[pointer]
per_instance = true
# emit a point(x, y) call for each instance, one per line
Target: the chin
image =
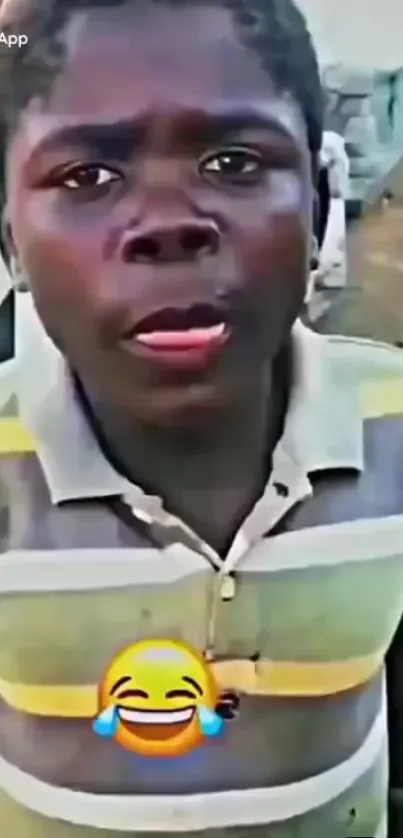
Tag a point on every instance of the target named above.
point(194, 406)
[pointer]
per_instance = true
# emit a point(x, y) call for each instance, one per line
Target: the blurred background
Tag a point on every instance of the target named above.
point(359, 289)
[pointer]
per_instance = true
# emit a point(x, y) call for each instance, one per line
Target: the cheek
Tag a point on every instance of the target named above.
point(274, 233)
point(62, 260)
point(274, 248)
point(275, 257)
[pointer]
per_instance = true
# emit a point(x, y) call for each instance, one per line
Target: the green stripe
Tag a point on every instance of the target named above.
point(314, 613)
point(69, 638)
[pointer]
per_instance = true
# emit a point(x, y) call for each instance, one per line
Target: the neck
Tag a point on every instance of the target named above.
point(209, 477)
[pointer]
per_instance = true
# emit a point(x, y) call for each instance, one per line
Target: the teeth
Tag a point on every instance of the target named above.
point(181, 337)
point(169, 717)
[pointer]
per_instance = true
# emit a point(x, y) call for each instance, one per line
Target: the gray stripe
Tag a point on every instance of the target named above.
point(337, 544)
point(270, 743)
point(7, 382)
point(189, 813)
point(334, 820)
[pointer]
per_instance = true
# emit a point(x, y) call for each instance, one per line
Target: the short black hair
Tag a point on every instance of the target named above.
point(275, 29)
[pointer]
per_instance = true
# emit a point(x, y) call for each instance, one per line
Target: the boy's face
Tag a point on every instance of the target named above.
point(162, 173)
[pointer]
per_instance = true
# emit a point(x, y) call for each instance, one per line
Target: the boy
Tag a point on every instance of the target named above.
point(204, 482)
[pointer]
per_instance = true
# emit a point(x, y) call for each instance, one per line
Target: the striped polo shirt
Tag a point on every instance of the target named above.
point(296, 619)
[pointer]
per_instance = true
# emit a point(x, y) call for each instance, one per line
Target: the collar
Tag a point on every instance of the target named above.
point(323, 427)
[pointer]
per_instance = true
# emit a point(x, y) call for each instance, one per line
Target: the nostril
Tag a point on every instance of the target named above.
point(143, 249)
point(194, 240)
point(174, 242)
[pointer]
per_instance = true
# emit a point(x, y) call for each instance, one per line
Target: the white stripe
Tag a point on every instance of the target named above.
point(350, 541)
point(187, 813)
point(47, 570)
point(80, 570)
point(382, 831)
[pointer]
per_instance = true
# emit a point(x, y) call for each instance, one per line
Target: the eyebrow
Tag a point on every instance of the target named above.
point(120, 140)
point(226, 125)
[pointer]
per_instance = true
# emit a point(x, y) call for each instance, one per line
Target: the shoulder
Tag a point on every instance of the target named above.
point(368, 377)
point(367, 358)
point(14, 438)
point(374, 369)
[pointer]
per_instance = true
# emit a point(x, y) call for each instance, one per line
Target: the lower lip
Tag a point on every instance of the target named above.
point(156, 725)
point(186, 350)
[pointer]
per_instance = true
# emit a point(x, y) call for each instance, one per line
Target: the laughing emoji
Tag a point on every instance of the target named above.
point(159, 698)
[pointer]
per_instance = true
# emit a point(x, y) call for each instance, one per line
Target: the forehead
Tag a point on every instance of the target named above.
point(126, 63)
point(162, 656)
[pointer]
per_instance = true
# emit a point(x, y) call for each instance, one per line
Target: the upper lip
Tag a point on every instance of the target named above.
point(176, 318)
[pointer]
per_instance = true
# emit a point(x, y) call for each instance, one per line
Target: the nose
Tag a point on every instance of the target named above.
point(180, 240)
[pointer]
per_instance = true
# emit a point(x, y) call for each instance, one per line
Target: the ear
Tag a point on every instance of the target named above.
point(313, 267)
point(322, 205)
point(314, 255)
point(7, 246)
point(10, 255)
point(6, 280)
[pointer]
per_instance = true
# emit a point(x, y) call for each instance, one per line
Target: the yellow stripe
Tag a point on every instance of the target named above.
point(383, 398)
point(264, 678)
point(14, 437)
point(285, 678)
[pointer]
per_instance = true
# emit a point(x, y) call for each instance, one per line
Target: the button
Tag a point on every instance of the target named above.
point(281, 489)
point(228, 588)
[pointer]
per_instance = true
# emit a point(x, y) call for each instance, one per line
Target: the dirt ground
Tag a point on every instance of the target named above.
point(372, 303)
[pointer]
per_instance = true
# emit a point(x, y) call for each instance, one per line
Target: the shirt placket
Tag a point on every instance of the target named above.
point(288, 485)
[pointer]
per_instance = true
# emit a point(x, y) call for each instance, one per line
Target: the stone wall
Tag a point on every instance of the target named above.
point(366, 108)
point(349, 111)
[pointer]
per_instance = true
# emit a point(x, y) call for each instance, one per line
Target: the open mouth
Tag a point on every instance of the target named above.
point(198, 327)
point(156, 724)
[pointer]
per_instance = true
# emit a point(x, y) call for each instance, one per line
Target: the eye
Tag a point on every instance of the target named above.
point(88, 177)
point(180, 694)
point(235, 165)
point(133, 694)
